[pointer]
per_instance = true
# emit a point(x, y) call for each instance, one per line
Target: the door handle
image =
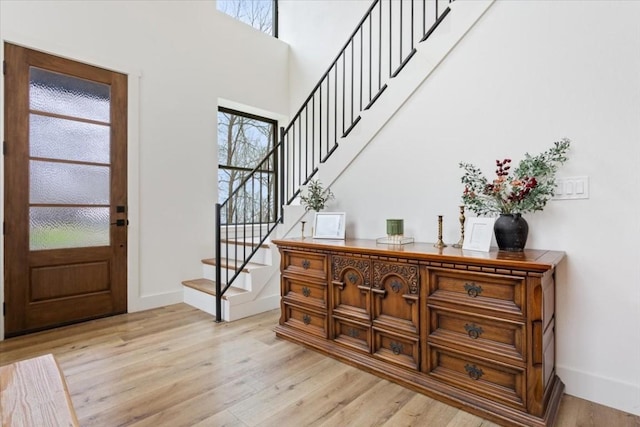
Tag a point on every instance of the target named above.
point(120, 222)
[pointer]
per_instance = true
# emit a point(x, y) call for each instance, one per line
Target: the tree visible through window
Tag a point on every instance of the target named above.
point(260, 14)
point(244, 140)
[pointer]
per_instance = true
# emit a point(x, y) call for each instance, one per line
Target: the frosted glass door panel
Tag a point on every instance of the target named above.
point(68, 183)
point(70, 96)
point(57, 228)
point(56, 138)
point(69, 166)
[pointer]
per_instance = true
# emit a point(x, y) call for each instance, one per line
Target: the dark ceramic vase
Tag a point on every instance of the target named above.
point(511, 232)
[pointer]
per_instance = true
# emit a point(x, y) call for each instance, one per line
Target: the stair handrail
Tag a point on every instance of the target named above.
point(321, 134)
point(271, 223)
point(283, 153)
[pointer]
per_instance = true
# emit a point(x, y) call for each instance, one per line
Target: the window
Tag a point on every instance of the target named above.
point(260, 14)
point(244, 140)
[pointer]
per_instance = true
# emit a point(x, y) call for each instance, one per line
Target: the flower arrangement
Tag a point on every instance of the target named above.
point(316, 196)
point(527, 188)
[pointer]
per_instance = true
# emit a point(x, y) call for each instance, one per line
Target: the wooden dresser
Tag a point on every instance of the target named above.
point(475, 330)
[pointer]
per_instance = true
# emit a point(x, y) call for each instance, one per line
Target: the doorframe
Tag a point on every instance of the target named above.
point(134, 297)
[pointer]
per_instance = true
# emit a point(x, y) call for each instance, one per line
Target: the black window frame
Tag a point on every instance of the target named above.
point(273, 208)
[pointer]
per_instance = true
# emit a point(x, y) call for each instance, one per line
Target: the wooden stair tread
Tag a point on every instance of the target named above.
point(245, 243)
point(226, 264)
point(209, 287)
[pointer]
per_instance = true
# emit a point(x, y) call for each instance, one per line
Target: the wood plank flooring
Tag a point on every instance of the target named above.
point(173, 366)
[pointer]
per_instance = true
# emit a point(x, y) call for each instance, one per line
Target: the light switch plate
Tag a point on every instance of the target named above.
point(572, 188)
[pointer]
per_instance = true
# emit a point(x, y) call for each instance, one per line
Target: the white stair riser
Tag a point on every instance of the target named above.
point(256, 306)
point(262, 284)
point(237, 306)
point(243, 281)
point(203, 301)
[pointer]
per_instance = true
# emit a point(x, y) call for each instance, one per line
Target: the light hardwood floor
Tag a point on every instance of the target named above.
point(174, 366)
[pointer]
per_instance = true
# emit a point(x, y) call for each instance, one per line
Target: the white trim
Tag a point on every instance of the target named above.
point(147, 302)
point(135, 301)
point(62, 51)
point(603, 390)
point(133, 193)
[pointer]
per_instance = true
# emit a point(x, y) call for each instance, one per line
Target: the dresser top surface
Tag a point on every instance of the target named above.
point(530, 259)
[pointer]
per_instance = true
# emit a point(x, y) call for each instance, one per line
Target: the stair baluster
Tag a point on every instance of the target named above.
point(331, 111)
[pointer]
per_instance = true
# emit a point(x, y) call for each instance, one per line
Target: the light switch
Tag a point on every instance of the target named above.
point(568, 188)
point(571, 188)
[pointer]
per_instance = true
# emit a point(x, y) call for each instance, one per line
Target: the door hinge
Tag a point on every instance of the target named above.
point(4, 308)
point(4, 68)
point(4, 148)
point(4, 228)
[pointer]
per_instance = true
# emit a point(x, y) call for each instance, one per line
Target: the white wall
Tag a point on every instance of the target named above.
point(182, 56)
point(528, 74)
point(315, 31)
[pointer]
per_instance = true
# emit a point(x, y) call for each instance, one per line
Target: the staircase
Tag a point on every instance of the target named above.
point(243, 279)
point(255, 289)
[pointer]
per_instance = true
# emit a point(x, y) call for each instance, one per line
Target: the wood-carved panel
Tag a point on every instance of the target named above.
point(408, 272)
point(395, 296)
point(351, 287)
point(340, 263)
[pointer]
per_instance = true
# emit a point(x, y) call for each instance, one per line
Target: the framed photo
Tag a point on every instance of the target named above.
point(478, 233)
point(329, 225)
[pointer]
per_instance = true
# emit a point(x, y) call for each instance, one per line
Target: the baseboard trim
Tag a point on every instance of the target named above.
point(251, 308)
point(147, 302)
point(605, 391)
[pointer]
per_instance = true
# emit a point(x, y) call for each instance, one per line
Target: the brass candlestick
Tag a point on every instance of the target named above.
point(303, 223)
point(440, 243)
point(461, 241)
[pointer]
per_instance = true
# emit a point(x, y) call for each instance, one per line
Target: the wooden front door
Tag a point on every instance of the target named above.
point(65, 242)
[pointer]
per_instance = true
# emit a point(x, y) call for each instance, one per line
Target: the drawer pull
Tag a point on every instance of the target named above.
point(473, 330)
point(306, 264)
point(472, 289)
point(396, 348)
point(353, 333)
point(474, 372)
point(306, 291)
point(396, 286)
point(306, 319)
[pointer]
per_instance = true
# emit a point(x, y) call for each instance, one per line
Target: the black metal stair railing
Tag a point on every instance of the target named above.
point(381, 45)
point(378, 49)
point(244, 221)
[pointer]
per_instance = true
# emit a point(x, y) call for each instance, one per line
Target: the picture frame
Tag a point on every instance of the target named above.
point(329, 225)
point(478, 232)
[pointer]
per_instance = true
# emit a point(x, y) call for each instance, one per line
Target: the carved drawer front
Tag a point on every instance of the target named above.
point(482, 290)
point(473, 333)
point(497, 382)
point(352, 334)
point(399, 349)
point(305, 263)
point(305, 292)
point(351, 282)
point(305, 320)
point(395, 296)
